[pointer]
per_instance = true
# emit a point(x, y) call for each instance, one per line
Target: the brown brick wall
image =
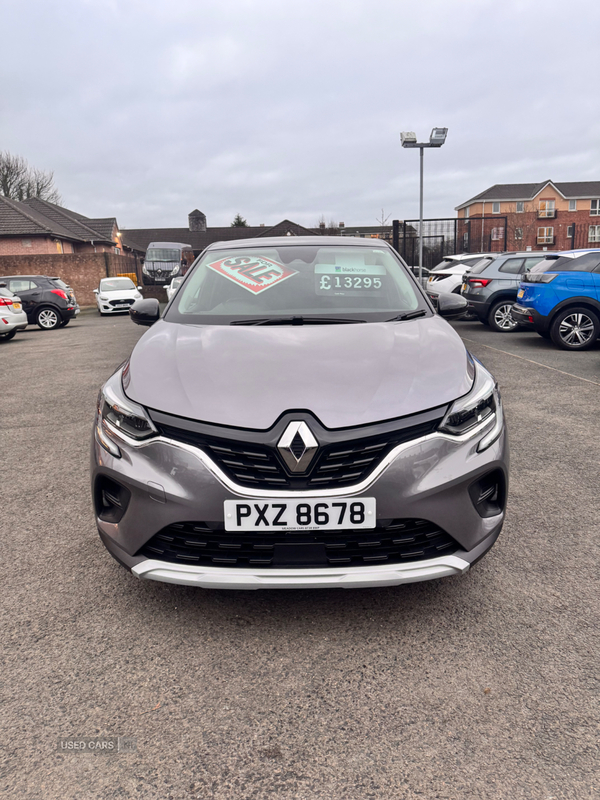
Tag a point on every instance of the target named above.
point(13, 245)
point(82, 271)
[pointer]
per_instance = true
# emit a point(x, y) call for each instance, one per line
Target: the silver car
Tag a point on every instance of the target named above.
point(300, 416)
point(12, 316)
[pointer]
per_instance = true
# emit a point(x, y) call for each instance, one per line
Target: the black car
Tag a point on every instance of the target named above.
point(48, 302)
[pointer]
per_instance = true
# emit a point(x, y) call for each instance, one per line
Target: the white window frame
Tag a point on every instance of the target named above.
point(547, 237)
point(467, 212)
point(520, 207)
point(495, 208)
point(569, 231)
point(519, 234)
point(497, 234)
point(572, 205)
point(594, 233)
point(547, 208)
point(594, 208)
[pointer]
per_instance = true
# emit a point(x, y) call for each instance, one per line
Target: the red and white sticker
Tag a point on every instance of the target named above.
point(255, 273)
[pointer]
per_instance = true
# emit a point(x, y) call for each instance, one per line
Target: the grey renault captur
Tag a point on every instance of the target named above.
point(299, 416)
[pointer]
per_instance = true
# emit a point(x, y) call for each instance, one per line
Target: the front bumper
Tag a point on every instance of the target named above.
point(105, 308)
point(170, 483)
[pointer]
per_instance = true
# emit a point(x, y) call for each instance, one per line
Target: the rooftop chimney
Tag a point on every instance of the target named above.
point(197, 220)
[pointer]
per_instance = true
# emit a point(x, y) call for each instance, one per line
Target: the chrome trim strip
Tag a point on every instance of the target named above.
point(323, 578)
point(246, 491)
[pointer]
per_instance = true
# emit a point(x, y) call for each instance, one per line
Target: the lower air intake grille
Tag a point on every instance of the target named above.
point(391, 542)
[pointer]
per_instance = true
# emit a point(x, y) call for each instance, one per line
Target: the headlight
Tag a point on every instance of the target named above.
point(145, 269)
point(481, 404)
point(102, 297)
point(121, 412)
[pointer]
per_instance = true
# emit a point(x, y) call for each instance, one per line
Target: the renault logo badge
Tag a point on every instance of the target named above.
point(297, 446)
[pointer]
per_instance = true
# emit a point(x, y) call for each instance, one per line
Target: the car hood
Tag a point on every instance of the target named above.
point(345, 375)
point(124, 294)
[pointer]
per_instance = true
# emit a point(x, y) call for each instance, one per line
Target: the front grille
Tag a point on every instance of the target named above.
point(120, 302)
point(393, 541)
point(336, 465)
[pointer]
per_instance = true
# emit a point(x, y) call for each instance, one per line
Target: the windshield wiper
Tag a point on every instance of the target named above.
point(408, 315)
point(296, 321)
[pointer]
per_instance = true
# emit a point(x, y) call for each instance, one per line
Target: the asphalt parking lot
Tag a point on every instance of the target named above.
point(483, 686)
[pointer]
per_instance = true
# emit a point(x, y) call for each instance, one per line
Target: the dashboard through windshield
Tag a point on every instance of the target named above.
point(296, 282)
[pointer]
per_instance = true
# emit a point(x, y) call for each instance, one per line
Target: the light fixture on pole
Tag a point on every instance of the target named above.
point(409, 139)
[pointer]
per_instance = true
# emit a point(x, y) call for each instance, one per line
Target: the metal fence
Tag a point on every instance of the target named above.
point(448, 236)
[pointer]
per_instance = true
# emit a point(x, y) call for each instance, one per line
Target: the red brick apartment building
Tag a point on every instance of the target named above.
point(537, 216)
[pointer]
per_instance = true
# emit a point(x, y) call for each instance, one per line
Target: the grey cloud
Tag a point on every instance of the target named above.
point(150, 109)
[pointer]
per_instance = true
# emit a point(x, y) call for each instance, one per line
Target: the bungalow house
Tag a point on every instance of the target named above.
point(37, 227)
point(199, 236)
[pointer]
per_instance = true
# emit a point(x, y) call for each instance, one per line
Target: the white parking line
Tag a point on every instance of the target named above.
point(530, 361)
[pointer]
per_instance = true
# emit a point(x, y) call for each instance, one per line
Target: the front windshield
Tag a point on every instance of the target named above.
point(296, 281)
point(162, 254)
point(116, 284)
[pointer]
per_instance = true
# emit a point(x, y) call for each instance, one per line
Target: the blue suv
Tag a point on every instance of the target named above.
point(562, 303)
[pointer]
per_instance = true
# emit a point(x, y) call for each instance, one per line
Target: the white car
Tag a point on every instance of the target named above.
point(12, 316)
point(116, 295)
point(447, 275)
point(173, 286)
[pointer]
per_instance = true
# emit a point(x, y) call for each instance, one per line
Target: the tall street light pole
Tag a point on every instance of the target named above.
point(409, 139)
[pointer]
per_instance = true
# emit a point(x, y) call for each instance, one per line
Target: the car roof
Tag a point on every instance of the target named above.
point(463, 256)
point(297, 241)
point(166, 245)
point(28, 277)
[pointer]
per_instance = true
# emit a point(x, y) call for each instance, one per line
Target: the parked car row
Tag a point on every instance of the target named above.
point(557, 294)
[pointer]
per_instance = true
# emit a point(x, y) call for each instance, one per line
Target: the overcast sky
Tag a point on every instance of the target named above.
point(147, 109)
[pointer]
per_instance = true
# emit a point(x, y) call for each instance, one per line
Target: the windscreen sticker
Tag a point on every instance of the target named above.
point(254, 273)
point(362, 269)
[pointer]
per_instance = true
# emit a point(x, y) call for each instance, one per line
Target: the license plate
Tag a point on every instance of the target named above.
point(17, 306)
point(122, 305)
point(317, 514)
point(520, 293)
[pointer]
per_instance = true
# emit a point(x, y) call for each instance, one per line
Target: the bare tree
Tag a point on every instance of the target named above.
point(20, 181)
point(331, 228)
point(521, 227)
point(382, 220)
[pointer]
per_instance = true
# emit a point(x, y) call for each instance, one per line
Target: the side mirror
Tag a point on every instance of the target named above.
point(145, 312)
point(450, 305)
point(139, 288)
point(95, 291)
